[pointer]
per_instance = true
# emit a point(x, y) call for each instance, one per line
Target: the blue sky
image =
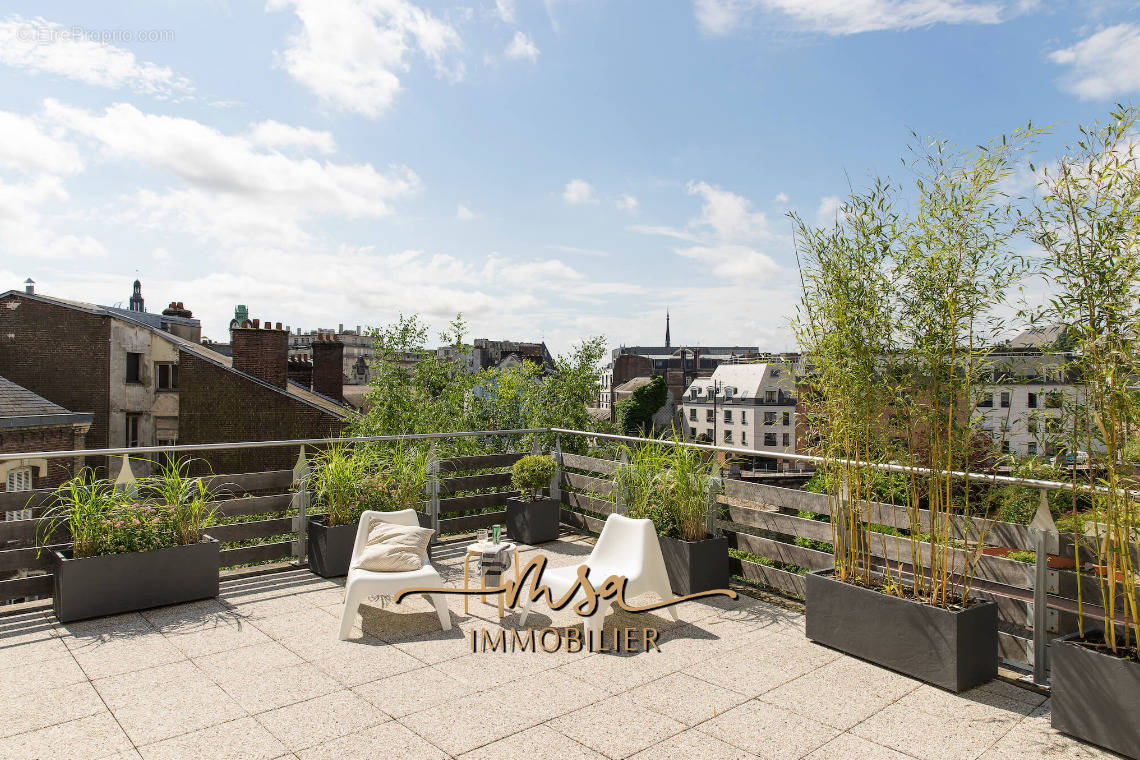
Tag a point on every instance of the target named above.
point(550, 169)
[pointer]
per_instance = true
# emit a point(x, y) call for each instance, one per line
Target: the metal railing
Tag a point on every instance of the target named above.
point(1045, 531)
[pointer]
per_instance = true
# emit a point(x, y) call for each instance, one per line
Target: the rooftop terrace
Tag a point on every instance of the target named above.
point(259, 673)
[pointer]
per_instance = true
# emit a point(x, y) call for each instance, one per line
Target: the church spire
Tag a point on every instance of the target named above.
point(667, 342)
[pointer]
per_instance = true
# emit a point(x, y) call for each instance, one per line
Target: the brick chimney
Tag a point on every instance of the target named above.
point(328, 366)
point(261, 351)
point(301, 371)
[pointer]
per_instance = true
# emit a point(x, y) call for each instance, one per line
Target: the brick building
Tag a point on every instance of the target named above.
point(29, 422)
point(146, 385)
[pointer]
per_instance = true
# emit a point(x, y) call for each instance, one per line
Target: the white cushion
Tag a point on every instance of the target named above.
point(392, 548)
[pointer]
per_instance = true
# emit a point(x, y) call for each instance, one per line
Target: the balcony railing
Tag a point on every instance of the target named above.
point(264, 519)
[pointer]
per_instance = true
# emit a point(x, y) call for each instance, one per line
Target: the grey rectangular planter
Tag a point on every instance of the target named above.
point(952, 649)
point(695, 566)
point(1096, 697)
point(533, 522)
point(330, 547)
point(113, 583)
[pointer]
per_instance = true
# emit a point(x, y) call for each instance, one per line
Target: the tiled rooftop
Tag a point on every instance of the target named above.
point(259, 673)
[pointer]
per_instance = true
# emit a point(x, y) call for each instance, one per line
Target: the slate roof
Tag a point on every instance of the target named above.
point(18, 401)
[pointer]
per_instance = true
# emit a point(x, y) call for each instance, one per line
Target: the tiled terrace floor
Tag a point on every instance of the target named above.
point(259, 673)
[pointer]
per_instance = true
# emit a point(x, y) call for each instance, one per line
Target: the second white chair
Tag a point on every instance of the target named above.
point(626, 547)
point(361, 584)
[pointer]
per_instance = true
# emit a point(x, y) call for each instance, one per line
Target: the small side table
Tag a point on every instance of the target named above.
point(474, 550)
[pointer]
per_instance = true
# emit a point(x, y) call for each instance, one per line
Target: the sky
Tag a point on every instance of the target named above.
point(551, 170)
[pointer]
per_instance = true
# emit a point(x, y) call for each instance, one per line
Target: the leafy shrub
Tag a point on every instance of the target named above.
point(670, 485)
point(347, 481)
point(635, 414)
point(531, 474)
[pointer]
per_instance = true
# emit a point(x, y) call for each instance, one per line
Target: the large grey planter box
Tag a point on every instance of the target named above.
point(113, 583)
point(1096, 697)
point(330, 547)
point(533, 522)
point(695, 566)
point(952, 649)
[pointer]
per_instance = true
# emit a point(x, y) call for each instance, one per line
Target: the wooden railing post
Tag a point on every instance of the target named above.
point(619, 495)
point(300, 502)
point(433, 490)
point(712, 513)
point(556, 479)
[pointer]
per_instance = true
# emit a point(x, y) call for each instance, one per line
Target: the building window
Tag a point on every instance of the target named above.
point(787, 418)
point(1005, 399)
point(728, 415)
point(693, 414)
point(167, 376)
point(743, 437)
point(134, 368)
point(728, 436)
point(769, 418)
point(1032, 401)
point(1031, 448)
point(19, 479)
point(744, 418)
point(769, 439)
point(1053, 400)
point(787, 440)
point(987, 401)
point(692, 432)
point(709, 415)
point(769, 397)
point(134, 423)
point(1031, 426)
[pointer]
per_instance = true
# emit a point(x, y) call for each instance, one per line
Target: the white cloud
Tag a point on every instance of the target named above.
point(521, 47)
point(234, 190)
point(725, 236)
point(838, 17)
point(26, 147)
point(506, 10)
point(43, 46)
point(351, 53)
point(827, 210)
point(26, 230)
point(274, 134)
point(578, 191)
point(1103, 65)
point(465, 214)
point(780, 198)
point(627, 202)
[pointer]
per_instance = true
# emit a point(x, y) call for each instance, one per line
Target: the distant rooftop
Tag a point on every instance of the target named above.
point(20, 407)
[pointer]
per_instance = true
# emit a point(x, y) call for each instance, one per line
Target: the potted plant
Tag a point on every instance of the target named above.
point(532, 518)
point(1087, 228)
point(131, 550)
point(899, 316)
point(346, 482)
point(674, 486)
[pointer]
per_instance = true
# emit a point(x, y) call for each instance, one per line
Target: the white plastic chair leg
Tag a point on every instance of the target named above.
point(596, 622)
point(526, 610)
point(352, 600)
point(441, 610)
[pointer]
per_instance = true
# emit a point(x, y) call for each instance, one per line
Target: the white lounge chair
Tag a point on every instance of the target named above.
point(626, 547)
point(362, 584)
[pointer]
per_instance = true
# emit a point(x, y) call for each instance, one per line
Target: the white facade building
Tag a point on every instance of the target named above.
point(750, 406)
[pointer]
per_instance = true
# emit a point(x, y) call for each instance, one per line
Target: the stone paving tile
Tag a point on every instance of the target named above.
point(92, 737)
point(435, 647)
point(618, 673)
point(692, 745)
point(1034, 739)
point(120, 644)
point(249, 660)
point(486, 670)
point(306, 724)
point(769, 732)
point(353, 663)
point(386, 740)
point(33, 710)
point(466, 723)
point(938, 725)
point(539, 741)
point(308, 622)
point(617, 727)
point(242, 739)
point(27, 637)
point(413, 691)
point(686, 699)
point(842, 693)
point(853, 747)
point(167, 701)
point(269, 689)
point(41, 675)
point(546, 695)
point(755, 670)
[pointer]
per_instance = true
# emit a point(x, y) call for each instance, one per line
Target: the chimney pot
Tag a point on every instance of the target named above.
point(257, 323)
point(278, 325)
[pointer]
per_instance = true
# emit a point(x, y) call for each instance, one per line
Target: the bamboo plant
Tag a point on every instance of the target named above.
point(670, 485)
point(898, 314)
point(1088, 223)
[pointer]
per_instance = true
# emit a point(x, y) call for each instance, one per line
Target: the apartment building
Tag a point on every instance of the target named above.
point(751, 406)
point(1023, 404)
point(357, 349)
